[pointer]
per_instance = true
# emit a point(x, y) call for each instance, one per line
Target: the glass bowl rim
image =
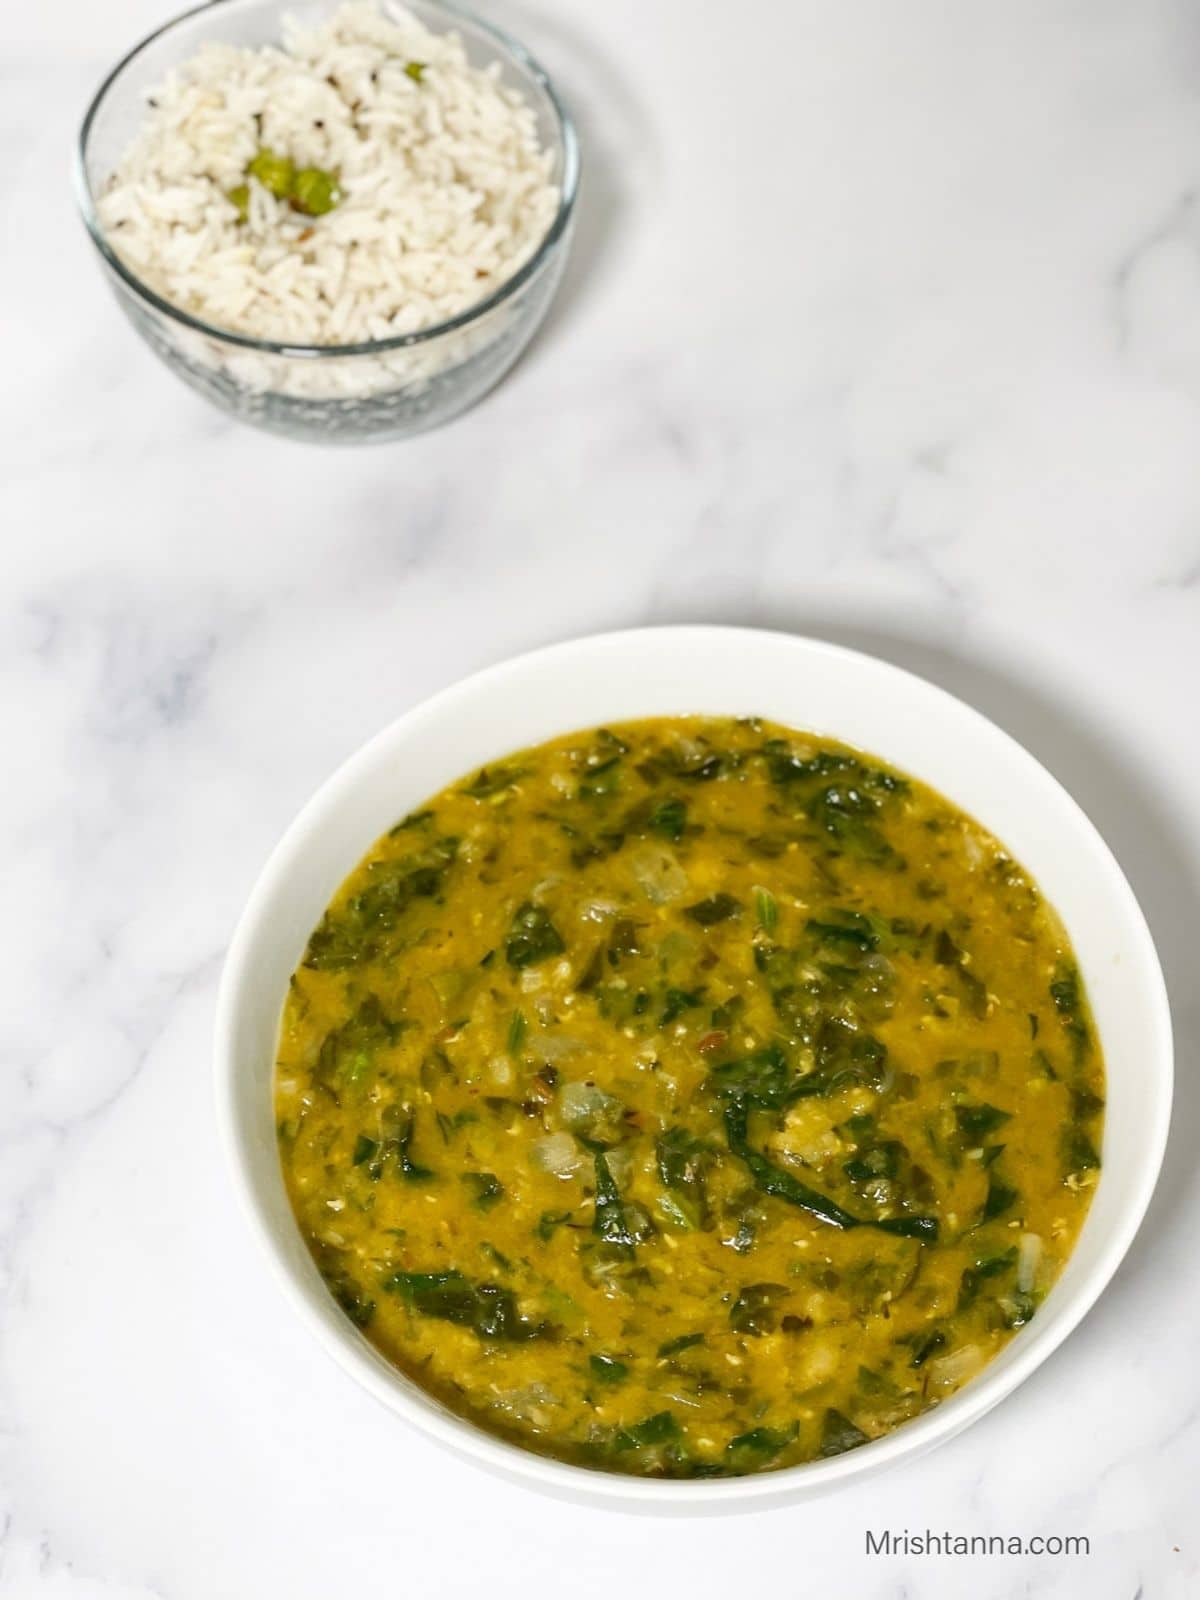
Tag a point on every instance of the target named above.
point(568, 191)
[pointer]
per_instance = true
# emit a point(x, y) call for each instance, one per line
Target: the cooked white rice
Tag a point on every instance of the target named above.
point(446, 190)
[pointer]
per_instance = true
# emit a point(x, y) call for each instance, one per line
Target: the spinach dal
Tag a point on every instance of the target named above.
point(689, 1097)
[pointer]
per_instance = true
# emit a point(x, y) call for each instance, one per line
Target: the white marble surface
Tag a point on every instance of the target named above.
point(884, 324)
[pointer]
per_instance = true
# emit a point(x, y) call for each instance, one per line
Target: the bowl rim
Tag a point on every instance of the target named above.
point(515, 1462)
point(454, 13)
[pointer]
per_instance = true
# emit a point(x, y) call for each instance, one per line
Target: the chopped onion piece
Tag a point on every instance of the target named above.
point(972, 847)
point(620, 1164)
point(1029, 1259)
point(658, 873)
point(591, 1113)
point(557, 1153)
point(558, 1046)
point(952, 1371)
point(598, 910)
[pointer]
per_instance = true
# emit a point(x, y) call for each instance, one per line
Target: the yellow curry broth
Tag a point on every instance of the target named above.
point(689, 1097)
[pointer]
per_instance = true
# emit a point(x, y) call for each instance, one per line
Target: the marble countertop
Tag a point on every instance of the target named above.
point(884, 325)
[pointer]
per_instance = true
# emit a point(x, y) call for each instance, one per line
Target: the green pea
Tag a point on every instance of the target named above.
point(315, 192)
point(275, 173)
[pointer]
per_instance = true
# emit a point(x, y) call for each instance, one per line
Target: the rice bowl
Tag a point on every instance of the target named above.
point(445, 188)
point(447, 171)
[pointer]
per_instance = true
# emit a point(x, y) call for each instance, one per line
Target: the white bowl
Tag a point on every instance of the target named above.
point(805, 684)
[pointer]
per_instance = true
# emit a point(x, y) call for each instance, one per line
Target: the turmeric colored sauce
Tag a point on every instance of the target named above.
point(690, 1097)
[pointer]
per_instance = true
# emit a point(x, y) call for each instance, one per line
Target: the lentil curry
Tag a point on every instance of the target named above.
point(689, 1097)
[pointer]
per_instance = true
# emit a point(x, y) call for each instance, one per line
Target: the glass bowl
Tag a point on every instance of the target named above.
point(386, 388)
